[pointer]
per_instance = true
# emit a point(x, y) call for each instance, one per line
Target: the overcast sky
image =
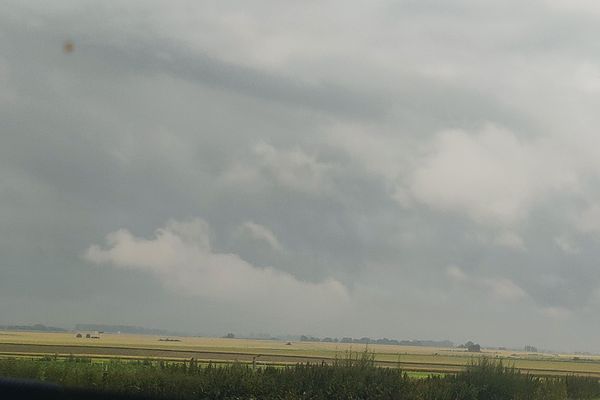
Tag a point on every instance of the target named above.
point(409, 169)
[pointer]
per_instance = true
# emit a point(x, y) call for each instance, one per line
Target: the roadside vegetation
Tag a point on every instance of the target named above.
point(354, 376)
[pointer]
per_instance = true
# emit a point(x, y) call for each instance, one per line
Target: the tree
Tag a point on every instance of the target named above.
point(473, 347)
point(305, 338)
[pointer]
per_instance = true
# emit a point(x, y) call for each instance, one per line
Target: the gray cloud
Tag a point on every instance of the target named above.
point(372, 145)
point(180, 255)
point(261, 233)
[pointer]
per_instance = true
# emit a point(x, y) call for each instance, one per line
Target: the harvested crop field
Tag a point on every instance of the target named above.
point(409, 358)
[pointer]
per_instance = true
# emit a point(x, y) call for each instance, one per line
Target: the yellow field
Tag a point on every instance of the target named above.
point(410, 358)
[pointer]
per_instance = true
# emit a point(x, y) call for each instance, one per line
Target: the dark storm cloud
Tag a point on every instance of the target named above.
point(206, 70)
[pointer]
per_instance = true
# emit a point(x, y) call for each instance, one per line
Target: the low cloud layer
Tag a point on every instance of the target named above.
point(181, 257)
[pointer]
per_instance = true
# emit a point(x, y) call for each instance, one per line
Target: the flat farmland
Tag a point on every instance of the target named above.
point(409, 358)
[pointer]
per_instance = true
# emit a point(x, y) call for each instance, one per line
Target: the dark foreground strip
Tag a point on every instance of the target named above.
point(22, 389)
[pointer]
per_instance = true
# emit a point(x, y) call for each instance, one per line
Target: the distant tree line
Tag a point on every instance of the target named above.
point(471, 347)
point(367, 340)
point(35, 327)
point(135, 330)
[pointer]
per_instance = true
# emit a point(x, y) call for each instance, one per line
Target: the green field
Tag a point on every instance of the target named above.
point(259, 352)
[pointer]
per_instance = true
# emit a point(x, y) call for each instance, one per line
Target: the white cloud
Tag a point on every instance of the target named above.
point(261, 232)
point(456, 274)
point(510, 240)
point(587, 78)
point(588, 220)
point(585, 7)
point(491, 175)
point(566, 245)
point(181, 256)
point(505, 289)
point(559, 313)
point(499, 288)
point(507, 239)
point(240, 174)
point(292, 169)
point(486, 175)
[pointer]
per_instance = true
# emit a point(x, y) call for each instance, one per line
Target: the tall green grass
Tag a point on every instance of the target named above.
point(353, 376)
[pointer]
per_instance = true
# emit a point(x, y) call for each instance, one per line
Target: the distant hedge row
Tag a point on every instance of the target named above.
point(353, 377)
